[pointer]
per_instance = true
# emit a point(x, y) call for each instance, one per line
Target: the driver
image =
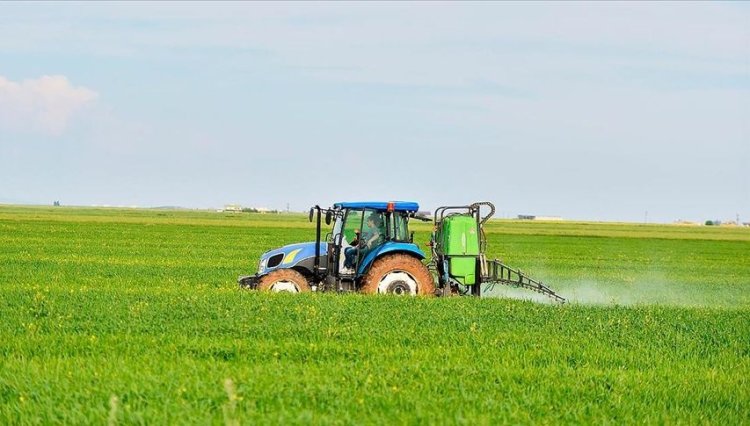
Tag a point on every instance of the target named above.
point(350, 252)
point(366, 242)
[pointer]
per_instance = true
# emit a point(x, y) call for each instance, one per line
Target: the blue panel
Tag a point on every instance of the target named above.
point(389, 247)
point(408, 206)
point(306, 251)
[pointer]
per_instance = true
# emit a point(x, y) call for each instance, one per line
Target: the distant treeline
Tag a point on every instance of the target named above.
point(252, 210)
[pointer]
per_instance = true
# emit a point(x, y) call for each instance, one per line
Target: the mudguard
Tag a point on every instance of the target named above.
point(389, 247)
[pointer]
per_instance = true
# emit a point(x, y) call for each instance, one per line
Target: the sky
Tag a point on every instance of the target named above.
point(595, 111)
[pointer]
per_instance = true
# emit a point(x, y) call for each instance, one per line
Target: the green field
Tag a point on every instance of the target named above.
point(134, 317)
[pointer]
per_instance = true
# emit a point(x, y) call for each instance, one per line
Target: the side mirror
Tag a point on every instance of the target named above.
point(329, 216)
point(312, 212)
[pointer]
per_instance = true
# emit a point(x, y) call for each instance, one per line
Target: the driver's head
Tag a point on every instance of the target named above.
point(374, 220)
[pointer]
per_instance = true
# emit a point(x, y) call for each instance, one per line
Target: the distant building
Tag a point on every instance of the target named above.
point(686, 223)
point(534, 217)
point(232, 208)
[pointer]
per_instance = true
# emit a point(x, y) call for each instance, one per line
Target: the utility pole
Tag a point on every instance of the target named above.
point(287, 207)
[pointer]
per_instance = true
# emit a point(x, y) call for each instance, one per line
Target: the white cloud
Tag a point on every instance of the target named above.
point(46, 104)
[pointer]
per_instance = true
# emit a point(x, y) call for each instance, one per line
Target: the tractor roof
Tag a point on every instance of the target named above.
point(408, 206)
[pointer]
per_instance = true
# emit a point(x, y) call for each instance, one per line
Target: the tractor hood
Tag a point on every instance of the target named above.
point(289, 256)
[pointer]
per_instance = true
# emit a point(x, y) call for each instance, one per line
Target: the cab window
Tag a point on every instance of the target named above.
point(352, 223)
point(399, 230)
point(373, 232)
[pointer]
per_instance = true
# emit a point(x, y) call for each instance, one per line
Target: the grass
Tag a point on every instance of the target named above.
point(133, 316)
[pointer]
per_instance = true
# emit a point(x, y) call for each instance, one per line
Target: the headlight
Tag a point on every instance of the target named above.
point(262, 265)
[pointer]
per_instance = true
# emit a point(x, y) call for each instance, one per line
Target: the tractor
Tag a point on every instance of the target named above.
point(371, 250)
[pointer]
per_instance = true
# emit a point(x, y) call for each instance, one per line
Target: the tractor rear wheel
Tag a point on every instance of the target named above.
point(398, 274)
point(284, 280)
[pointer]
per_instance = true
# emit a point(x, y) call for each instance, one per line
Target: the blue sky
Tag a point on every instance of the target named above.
point(598, 111)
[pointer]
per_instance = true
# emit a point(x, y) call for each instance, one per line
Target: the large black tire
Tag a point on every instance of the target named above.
point(286, 280)
point(398, 274)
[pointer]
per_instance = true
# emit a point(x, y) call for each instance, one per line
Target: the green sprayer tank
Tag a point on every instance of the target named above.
point(460, 244)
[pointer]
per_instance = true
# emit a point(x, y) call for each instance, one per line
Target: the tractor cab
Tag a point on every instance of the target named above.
point(363, 231)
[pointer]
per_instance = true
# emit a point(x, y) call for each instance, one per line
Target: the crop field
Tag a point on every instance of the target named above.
point(127, 316)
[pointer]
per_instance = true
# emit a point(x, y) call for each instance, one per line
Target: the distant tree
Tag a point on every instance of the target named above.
point(709, 223)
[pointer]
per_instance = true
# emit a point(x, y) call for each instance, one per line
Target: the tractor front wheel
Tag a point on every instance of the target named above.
point(399, 274)
point(284, 280)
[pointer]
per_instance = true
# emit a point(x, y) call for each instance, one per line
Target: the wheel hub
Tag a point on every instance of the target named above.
point(398, 287)
point(284, 287)
point(399, 283)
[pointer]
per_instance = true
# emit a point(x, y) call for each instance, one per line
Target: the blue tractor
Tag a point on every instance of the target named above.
point(369, 249)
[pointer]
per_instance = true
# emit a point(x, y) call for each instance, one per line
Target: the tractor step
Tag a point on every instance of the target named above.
point(495, 272)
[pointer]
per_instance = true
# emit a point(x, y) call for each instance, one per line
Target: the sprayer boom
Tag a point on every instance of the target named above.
point(495, 272)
